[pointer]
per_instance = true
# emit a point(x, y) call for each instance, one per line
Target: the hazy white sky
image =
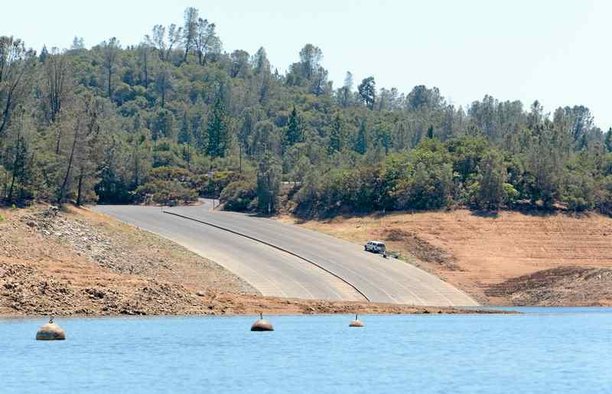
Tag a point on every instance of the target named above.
point(558, 52)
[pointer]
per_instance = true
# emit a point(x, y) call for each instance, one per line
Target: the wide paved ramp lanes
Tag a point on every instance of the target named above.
point(270, 271)
point(381, 280)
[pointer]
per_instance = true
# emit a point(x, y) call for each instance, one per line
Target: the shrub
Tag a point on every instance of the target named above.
point(166, 192)
point(216, 182)
point(169, 185)
point(578, 191)
point(239, 196)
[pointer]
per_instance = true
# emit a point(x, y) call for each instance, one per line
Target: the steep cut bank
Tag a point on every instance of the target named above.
point(506, 259)
point(79, 262)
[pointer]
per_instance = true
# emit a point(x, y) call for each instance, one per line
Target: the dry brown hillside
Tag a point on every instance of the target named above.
point(509, 258)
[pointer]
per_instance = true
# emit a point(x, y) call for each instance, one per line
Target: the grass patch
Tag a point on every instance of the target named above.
point(1, 218)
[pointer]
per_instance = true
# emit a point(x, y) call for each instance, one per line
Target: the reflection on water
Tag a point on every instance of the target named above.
point(544, 350)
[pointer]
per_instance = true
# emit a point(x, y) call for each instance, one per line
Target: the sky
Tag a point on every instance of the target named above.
point(557, 52)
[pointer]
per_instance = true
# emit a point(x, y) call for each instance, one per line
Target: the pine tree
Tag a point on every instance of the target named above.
point(294, 129)
point(217, 130)
point(361, 145)
point(44, 54)
point(367, 91)
point(335, 137)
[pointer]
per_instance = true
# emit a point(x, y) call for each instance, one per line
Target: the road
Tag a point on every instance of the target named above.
point(289, 261)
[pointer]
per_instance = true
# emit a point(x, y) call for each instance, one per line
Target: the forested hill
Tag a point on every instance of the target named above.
point(175, 117)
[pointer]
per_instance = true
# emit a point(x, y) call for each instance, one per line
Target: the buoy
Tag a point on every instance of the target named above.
point(50, 332)
point(262, 325)
point(356, 322)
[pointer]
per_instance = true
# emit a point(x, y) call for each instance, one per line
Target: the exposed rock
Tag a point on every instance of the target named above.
point(558, 286)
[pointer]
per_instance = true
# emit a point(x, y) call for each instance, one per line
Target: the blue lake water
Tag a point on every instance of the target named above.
point(543, 350)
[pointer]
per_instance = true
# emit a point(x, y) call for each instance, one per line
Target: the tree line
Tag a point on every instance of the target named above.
point(175, 117)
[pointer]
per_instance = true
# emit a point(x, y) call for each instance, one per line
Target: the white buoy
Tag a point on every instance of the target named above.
point(262, 325)
point(356, 322)
point(50, 332)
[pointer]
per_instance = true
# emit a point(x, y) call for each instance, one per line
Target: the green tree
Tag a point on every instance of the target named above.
point(310, 59)
point(185, 135)
point(423, 98)
point(111, 188)
point(239, 64)
point(578, 190)
point(361, 143)
point(218, 137)
point(238, 196)
point(17, 162)
point(163, 125)
point(367, 92)
point(467, 152)
point(268, 183)
point(163, 84)
point(491, 192)
point(294, 129)
point(335, 136)
point(427, 181)
point(544, 164)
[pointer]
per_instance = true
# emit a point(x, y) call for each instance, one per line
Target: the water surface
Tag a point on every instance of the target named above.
point(544, 350)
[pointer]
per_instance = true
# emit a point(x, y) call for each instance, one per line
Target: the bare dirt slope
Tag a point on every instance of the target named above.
point(78, 262)
point(83, 263)
point(509, 258)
